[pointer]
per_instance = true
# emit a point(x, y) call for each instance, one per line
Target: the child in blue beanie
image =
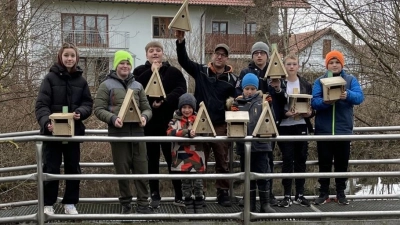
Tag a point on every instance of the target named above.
point(251, 100)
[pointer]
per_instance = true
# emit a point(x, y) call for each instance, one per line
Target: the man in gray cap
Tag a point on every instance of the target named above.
point(215, 83)
point(260, 56)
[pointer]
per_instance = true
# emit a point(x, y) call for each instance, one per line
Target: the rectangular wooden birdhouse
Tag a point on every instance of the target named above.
point(332, 87)
point(63, 124)
point(300, 103)
point(237, 123)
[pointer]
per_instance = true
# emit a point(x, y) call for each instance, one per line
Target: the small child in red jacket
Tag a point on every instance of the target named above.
point(187, 157)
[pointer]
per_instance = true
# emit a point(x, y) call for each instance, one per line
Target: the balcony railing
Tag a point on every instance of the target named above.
point(97, 39)
point(238, 43)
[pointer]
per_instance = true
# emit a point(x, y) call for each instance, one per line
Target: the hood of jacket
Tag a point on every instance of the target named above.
point(62, 71)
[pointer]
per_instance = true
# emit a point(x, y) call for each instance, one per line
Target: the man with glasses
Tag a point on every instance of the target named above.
point(260, 56)
point(215, 83)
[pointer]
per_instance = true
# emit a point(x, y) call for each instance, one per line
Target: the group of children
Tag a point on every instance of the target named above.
point(65, 86)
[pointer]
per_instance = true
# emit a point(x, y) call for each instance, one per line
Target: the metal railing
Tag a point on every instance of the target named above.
point(97, 39)
point(246, 215)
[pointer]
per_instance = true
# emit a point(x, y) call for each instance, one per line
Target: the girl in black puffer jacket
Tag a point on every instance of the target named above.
point(63, 86)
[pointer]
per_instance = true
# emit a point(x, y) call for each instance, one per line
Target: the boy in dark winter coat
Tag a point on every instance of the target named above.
point(188, 157)
point(274, 88)
point(251, 100)
point(294, 153)
point(215, 83)
point(174, 84)
point(63, 86)
point(127, 156)
point(335, 117)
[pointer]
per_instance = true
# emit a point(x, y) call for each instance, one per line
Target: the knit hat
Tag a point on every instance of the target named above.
point(334, 55)
point(223, 46)
point(260, 46)
point(121, 56)
point(187, 99)
point(250, 79)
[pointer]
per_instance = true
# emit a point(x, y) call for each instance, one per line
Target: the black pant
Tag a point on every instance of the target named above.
point(258, 164)
point(294, 157)
point(153, 153)
point(339, 151)
point(52, 158)
point(270, 158)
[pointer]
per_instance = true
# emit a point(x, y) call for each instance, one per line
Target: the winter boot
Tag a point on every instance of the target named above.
point(189, 204)
point(198, 205)
point(253, 195)
point(265, 206)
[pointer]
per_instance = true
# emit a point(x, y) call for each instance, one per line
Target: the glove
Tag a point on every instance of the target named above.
point(234, 107)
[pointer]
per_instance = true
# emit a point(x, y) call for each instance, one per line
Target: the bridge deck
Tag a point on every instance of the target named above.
point(168, 208)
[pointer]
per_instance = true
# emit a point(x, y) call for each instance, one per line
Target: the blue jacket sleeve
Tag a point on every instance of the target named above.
point(317, 101)
point(355, 95)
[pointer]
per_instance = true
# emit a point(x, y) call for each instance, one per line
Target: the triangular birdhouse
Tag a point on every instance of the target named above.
point(129, 111)
point(237, 123)
point(300, 103)
point(202, 124)
point(154, 87)
point(275, 68)
point(181, 20)
point(266, 124)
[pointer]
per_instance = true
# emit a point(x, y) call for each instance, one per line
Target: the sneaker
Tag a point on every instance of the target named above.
point(49, 210)
point(286, 202)
point(155, 201)
point(322, 199)
point(272, 200)
point(179, 202)
point(70, 209)
point(223, 198)
point(126, 209)
point(143, 209)
point(300, 200)
point(341, 199)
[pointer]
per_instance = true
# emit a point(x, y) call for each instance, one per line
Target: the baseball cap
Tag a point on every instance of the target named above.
point(223, 46)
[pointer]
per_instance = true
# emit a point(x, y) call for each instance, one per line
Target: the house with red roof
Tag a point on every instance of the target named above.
point(312, 47)
point(101, 27)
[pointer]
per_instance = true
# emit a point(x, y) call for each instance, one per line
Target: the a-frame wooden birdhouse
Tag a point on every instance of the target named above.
point(275, 69)
point(266, 124)
point(237, 123)
point(332, 87)
point(203, 124)
point(63, 124)
point(181, 20)
point(300, 103)
point(154, 87)
point(129, 111)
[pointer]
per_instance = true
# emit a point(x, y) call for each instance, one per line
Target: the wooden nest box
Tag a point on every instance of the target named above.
point(266, 124)
point(202, 124)
point(300, 103)
point(237, 123)
point(332, 87)
point(129, 111)
point(276, 69)
point(154, 87)
point(181, 20)
point(63, 124)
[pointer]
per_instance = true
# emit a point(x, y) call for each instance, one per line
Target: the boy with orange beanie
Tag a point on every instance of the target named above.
point(334, 118)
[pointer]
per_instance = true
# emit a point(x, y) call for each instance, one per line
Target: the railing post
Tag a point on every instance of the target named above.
point(40, 213)
point(231, 170)
point(246, 210)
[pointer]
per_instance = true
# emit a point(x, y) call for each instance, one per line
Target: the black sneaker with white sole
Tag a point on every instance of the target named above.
point(286, 202)
point(300, 200)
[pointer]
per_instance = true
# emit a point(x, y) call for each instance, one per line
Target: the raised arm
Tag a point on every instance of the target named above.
point(183, 58)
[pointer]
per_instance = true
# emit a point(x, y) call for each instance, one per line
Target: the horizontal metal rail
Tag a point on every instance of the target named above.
point(104, 131)
point(353, 137)
point(235, 163)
